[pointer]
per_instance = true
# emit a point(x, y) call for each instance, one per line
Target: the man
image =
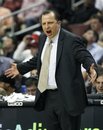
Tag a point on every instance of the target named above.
point(98, 84)
point(65, 97)
point(92, 46)
point(7, 84)
point(96, 23)
point(31, 85)
point(30, 17)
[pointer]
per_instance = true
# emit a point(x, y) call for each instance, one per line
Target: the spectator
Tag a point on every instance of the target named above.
point(97, 86)
point(23, 53)
point(3, 92)
point(27, 49)
point(96, 23)
point(12, 5)
point(96, 51)
point(9, 46)
point(84, 12)
point(7, 84)
point(5, 23)
point(92, 46)
point(99, 81)
point(31, 85)
point(31, 16)
point(63, 7)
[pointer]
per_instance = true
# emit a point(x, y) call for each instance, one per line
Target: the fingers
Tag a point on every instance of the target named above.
point(93, 73)
point(92, 67)
point(9, 73)
point(93, 79)
point(13, 76)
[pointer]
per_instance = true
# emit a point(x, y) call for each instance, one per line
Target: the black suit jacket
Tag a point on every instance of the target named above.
point(71, 52)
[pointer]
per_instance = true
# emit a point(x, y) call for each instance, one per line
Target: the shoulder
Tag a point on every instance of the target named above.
point(68, 34)
point(73, 38)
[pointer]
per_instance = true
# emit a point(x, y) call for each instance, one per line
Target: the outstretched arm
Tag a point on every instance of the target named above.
point(21, 68)
point(84, 57)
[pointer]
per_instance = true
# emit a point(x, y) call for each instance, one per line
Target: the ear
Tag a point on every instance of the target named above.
point(59, 22)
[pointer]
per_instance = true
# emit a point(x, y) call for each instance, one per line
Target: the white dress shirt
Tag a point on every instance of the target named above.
point(52, 67)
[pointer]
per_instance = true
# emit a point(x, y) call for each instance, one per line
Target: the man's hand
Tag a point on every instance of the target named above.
point(93, 73)
point(12, 72)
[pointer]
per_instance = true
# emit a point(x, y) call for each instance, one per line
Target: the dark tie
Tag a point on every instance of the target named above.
point(43, 78)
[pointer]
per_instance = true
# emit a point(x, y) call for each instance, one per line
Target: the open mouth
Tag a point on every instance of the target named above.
point(48, 32)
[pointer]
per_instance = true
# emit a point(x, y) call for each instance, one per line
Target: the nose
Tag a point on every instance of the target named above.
point(46, 25)
point(101, 85)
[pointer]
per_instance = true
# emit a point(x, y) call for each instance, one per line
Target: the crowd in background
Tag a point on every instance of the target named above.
point(85, 20)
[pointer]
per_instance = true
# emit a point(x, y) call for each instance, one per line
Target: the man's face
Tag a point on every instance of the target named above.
point(31, 90)
point(89, 35)
point(99, 84)
point(8, 45)
point(50, 25)
point(95, 25)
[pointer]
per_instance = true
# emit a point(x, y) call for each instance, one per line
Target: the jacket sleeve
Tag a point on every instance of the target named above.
point(82, 54)
point(27, 66)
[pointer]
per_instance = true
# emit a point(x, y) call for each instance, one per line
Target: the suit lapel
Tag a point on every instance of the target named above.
point(60, 46)
point(42, 42)
point(41, 46)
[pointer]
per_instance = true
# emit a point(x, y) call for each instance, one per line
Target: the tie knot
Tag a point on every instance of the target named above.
point(50, 41)
point(50, 44)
